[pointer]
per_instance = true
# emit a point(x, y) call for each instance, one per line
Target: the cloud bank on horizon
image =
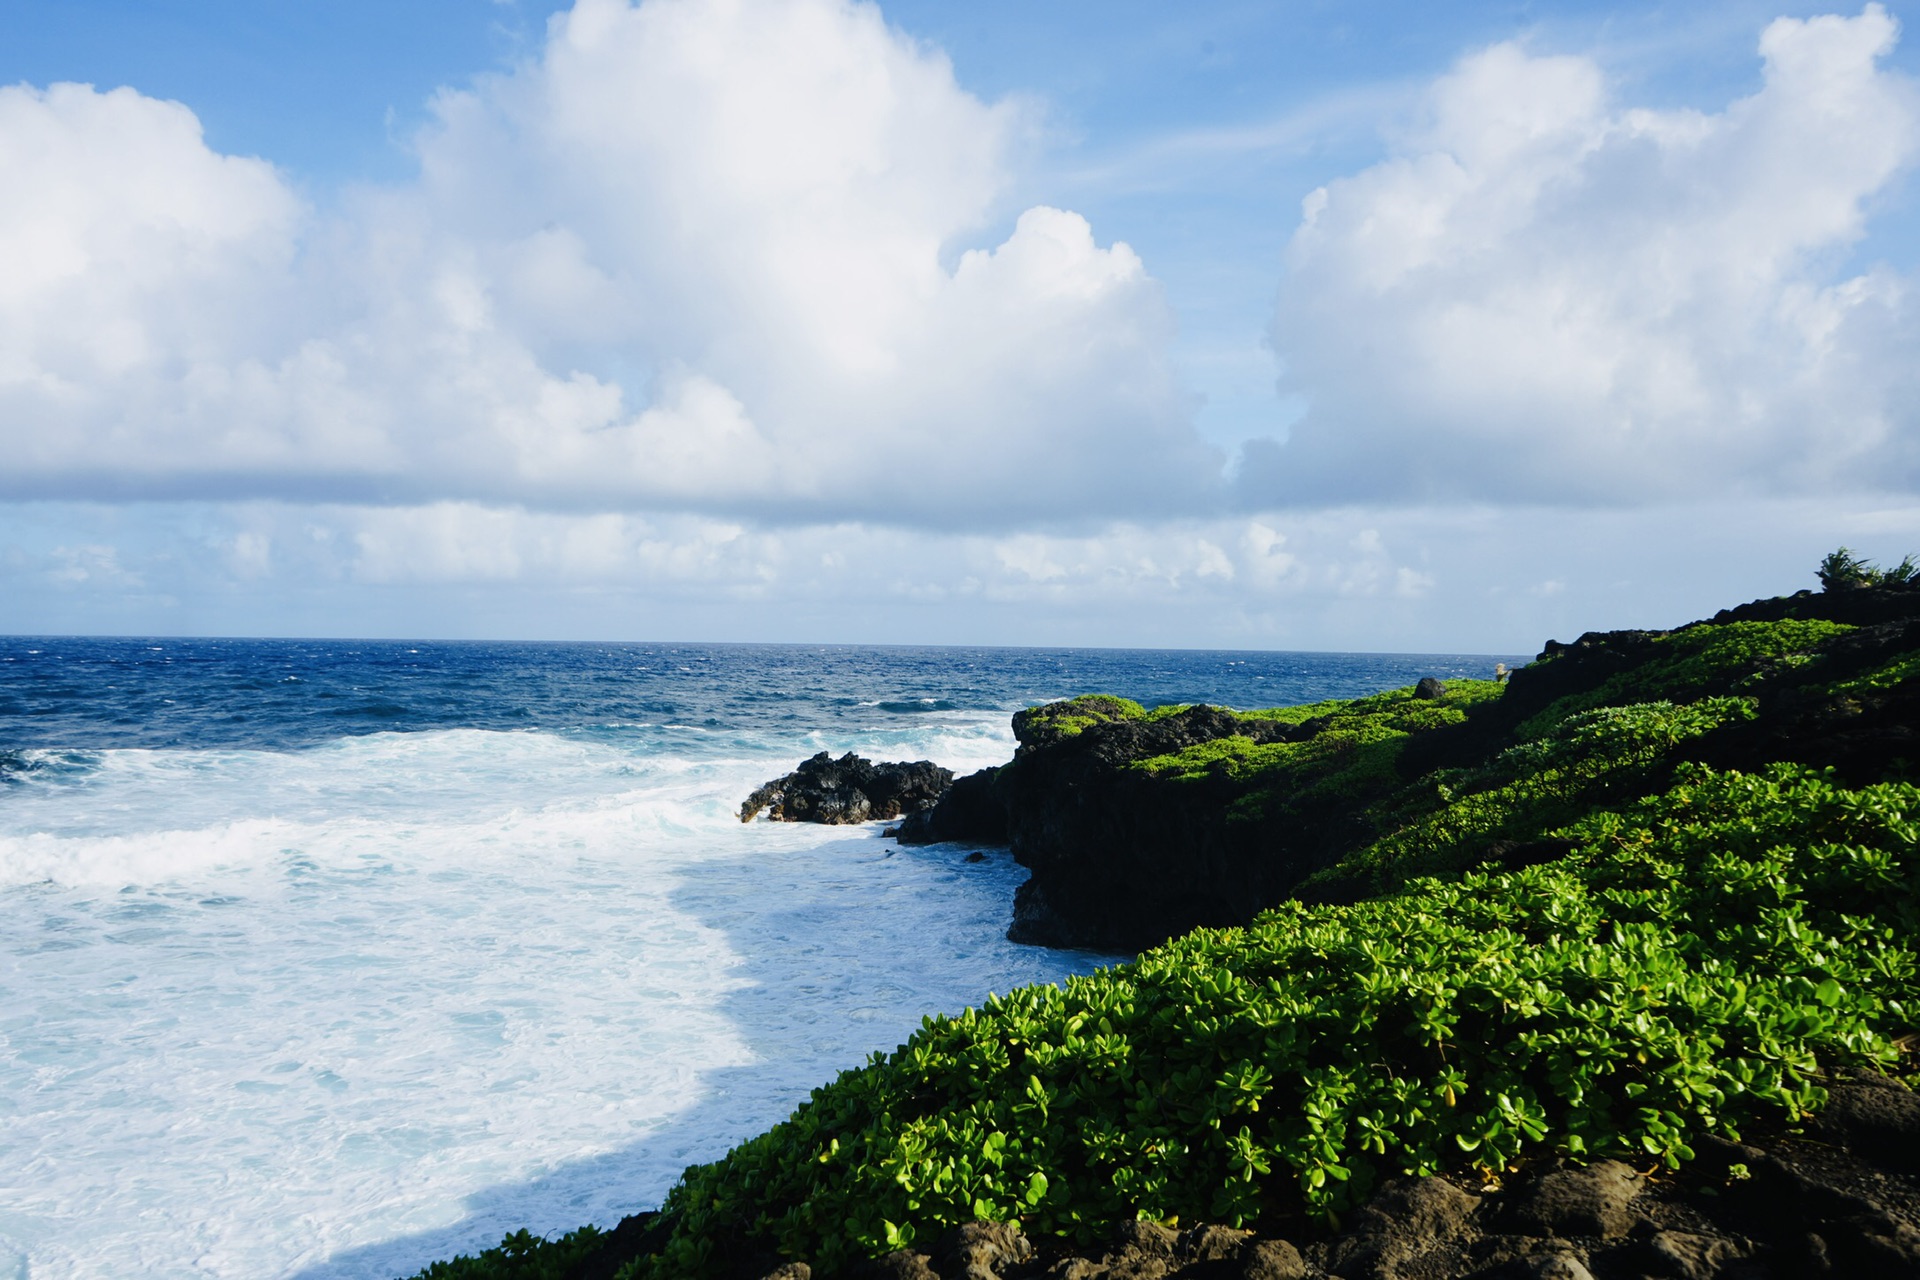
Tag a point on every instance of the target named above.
point(711, 288)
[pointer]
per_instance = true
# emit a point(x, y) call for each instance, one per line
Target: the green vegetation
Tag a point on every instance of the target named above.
point(1529, 789)
point(1844, 571)
point(1701, 659)
point(1572, 939)
point(1348, 754)
point(1686, 970)
point(1059, 720)
point(1342, 728)
point(522, 1256)
point(1890, 675)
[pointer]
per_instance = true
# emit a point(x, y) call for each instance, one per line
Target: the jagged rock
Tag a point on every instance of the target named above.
point(902, 1264)
point(1122, 860)
point(1209, 1243)
point(1874, 1117)
point(1272, 1260)
point(1557, 1266)
point(790, 1271)
point(850, 789)
point(1688, 1256)
point(1417, 1209)
point(1430, 689)
point(1037, 923)
point(1075, 1269)
point(980, 1251)
point(1141, 1251)
point(1407, 1218)
point(1574, 1201)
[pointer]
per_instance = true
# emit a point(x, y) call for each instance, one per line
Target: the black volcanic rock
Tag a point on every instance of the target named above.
point(972, 809)
point(850, 789)
point(1120, 859)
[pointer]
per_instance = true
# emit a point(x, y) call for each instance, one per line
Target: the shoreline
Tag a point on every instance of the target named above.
point(1509, 780)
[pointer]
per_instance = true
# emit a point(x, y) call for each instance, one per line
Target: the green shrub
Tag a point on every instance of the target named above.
point(521, 1256)
point(1698, 661)
point(1843, 571)
point(1889, 675)
point(1687, 970)
point(1352, 756)
point(1450, 819)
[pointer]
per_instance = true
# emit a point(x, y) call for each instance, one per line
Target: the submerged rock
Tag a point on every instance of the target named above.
point(850, 789)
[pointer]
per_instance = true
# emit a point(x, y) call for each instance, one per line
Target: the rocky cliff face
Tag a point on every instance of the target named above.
point(1121, 859)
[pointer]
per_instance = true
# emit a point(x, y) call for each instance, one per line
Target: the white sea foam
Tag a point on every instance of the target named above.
point(341, 1011)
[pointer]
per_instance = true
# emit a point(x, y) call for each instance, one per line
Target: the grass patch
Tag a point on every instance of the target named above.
point(1073, 716)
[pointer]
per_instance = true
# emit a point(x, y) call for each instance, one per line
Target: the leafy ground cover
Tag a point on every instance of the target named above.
point(1698, 660)
point(1447, 822)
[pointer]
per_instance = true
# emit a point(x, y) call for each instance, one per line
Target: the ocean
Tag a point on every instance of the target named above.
point(326, 959)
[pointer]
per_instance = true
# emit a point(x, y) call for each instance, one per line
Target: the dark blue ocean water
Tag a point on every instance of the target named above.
point(76, 692)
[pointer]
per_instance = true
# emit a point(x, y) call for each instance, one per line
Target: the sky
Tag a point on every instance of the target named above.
point(1223, 325)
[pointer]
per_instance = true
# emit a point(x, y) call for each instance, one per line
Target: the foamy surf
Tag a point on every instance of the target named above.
point(392, 996)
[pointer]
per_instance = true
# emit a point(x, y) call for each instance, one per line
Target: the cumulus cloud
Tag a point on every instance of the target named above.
point(709, 255)
point(1547, 295)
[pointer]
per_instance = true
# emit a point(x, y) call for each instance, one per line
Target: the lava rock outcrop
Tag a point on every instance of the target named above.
point(848, 790)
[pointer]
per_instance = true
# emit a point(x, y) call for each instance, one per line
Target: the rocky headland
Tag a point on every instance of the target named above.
point(1606, 971)
point(1139, 826)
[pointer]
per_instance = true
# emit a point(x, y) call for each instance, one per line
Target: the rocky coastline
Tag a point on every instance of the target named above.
point(1586, 782)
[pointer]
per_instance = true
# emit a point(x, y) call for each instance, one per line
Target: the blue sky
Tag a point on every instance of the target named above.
point(787, 319)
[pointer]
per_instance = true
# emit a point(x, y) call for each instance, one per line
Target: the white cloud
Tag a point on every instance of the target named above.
point(1545, 295)
point(698, 254)
point(709, 320)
